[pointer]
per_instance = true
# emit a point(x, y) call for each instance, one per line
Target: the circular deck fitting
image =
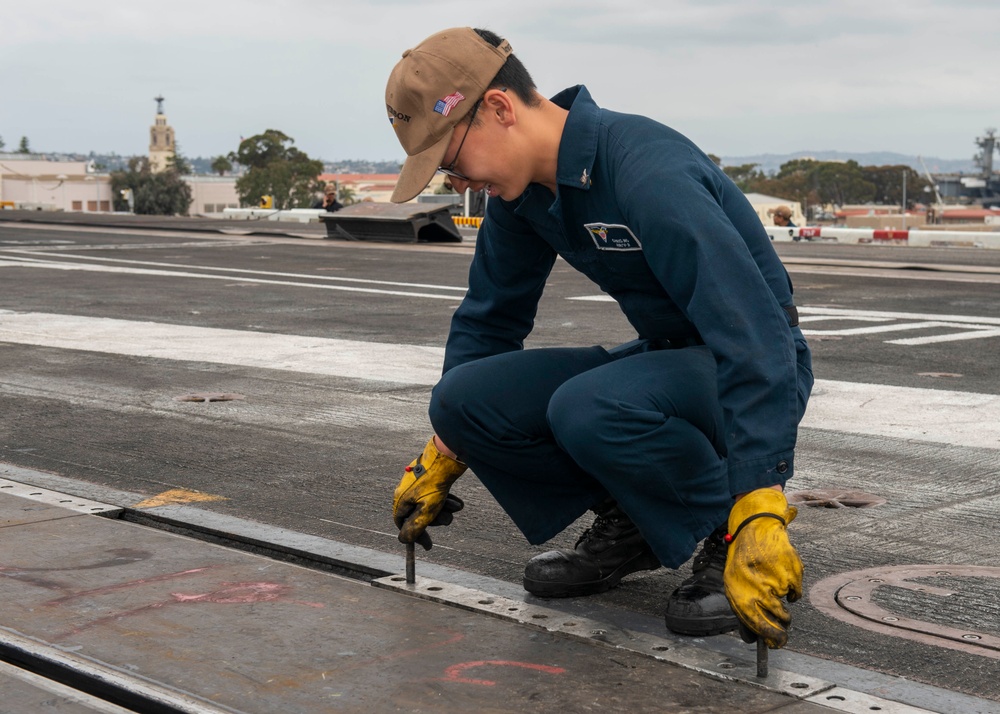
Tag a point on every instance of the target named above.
point(918, 594)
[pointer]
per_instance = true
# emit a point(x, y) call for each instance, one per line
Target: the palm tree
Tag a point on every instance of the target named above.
point(221, 165)
point(347, 195)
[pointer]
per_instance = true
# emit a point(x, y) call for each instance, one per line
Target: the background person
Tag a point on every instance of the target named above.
point(330, 202)
point(782, 216)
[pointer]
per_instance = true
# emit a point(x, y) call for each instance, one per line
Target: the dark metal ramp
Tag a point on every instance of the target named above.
point(399, 223)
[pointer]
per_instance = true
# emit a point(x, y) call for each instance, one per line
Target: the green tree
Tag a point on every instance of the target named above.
point(795, 180)
point(179, 163)
point(161, 194)
point(276, 168)
point(888, 182)
point(347, 196)
point(843, 183)
point(221, 165)
point(1, 143)
point(746, 176)
point(812, 182)
point(23, 147)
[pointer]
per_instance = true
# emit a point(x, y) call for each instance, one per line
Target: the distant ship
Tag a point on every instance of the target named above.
point(981, 188)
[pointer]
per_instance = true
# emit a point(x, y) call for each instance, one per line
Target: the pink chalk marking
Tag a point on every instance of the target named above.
point(454, 672)
point(244, 594)
point(131, 584)
point(235, 594)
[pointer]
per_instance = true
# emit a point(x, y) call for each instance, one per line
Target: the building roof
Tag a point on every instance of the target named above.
point(968, 212)
point(758, 198)
point(867, 211)
point(361, 178)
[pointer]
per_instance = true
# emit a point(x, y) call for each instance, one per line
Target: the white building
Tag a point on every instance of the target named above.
point(210, 195)
point(28, 181)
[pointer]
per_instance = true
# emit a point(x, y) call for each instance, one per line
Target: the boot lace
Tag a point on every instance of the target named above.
point(712, 553)
point(600, 527)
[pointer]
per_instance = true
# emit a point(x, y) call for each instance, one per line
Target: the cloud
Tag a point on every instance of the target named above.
point(739, 77)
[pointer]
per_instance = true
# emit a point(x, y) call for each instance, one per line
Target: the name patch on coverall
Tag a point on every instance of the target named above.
point(613, 236)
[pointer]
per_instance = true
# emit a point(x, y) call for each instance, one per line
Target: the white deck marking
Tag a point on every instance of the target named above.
point(176, 266)
point(946, 338)
point(940, 276)
point(836, 312)
point(972, 328)
point(941, 416)
point(900, 326)
point(935, 415)
point(407, 364)
point(30, 263)
point(819, 318)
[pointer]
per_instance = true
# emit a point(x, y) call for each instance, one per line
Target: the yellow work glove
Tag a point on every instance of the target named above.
point(762, 566)
point(422, 497)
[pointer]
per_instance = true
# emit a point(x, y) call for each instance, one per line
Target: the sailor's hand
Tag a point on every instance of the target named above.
point(422, 499)
point(762, 566)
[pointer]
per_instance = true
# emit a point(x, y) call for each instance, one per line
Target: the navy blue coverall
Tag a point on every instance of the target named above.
point(704, 405)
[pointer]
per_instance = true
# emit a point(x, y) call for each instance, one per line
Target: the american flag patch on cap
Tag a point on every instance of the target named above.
point(444, 106)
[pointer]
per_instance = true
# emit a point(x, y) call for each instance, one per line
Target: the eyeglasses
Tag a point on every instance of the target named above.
point(449, 170)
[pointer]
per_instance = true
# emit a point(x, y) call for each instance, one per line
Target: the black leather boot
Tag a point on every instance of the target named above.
point(606, 552)
point(699, 606)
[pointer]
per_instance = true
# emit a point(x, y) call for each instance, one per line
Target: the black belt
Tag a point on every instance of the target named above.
point(675, 343)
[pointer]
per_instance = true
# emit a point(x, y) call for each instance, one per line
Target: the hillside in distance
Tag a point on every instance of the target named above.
point(770, 163)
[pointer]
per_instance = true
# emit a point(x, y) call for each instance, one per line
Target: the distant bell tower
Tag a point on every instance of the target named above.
point(161, 140)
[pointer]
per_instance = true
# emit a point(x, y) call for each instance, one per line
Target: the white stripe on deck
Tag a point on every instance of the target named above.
point(407, 364)
point(936, 415)
point(941, 416)
point(969, 327)
point(236, 276)
point(235, 271)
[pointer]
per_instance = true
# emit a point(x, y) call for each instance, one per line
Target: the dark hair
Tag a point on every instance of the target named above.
point(513, 75)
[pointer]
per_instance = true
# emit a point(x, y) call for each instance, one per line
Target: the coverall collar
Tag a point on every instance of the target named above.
point(578, 147)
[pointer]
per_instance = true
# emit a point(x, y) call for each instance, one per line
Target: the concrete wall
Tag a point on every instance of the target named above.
point(899, 222)
point(888, 236)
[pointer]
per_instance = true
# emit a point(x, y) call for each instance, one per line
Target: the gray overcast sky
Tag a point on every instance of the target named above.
point(739, 77)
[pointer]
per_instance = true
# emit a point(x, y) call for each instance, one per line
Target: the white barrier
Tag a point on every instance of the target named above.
point(872, 236)
point(295, 215)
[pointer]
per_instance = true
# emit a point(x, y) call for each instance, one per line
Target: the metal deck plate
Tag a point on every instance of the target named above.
point(226, 629)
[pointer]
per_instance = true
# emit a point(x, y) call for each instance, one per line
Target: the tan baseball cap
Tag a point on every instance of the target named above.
point(431, 89)
point(783, 211)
